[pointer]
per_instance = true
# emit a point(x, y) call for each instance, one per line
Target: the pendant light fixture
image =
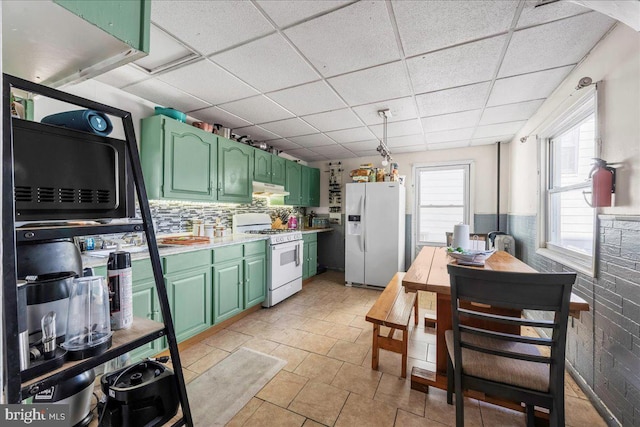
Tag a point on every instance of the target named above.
point(383, 149)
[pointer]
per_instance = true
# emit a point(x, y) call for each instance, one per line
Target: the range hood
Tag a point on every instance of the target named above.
point(264, 189)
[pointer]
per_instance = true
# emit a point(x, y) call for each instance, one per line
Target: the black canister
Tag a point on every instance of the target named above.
point(120, 290)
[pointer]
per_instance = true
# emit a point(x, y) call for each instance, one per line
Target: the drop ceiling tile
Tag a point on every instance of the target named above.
point(448, 145)
point(290, 127)
point(405, 141)
point(283, 144)
point(410, 149)
point(333, 151)
point(449, 135)
point(451, 121)
point(429, 25)
point(255, 133)
point(401, 109)
point(527, 86)
point(367, 153)
point(453, 100)
point(316, 158)
point(269, 63)
point(407, 127)
point(308, 98)
point(258, 109)
point(532, 15)
point(216, 115)
point(164, 50)
point(209, 82)
point(461, 65)
point(498, 129)
point(334, 120)
point(315, 140)
point(492, 140)
point(302, 153)
point(510, 112)
point(336, 43)
point(369, 145)
point(373, 85)
point(165, 95)
point(351, 135)
point(287, 12)
point(555, 44)
point(122, 76)
point(232, 22)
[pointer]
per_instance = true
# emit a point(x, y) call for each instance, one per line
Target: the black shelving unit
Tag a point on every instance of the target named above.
point(144, 330)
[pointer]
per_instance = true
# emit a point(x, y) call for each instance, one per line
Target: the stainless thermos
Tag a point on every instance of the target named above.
point(120, 290)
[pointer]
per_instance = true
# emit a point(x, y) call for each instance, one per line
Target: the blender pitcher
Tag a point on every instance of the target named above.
point(88, 324)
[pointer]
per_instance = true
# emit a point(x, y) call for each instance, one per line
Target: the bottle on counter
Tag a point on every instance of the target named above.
point(120, 290)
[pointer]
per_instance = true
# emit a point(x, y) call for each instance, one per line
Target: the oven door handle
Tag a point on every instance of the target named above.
point(298, 254)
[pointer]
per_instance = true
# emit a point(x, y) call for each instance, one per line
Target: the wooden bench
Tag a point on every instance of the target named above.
point(392, 309)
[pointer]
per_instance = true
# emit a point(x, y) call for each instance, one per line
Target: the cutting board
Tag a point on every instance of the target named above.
point(185, 240)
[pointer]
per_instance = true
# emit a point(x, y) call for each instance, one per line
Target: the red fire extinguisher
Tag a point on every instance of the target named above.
point(603, 184)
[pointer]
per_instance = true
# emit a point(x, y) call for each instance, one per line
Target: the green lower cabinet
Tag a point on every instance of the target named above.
point(309, 255)
point(146, 304)
point(228, 299)
point(190, 301)
point(255, 283)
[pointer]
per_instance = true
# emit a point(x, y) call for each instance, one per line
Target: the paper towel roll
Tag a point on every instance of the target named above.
point(461, 236)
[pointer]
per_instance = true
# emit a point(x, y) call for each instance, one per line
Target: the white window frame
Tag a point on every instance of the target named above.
point(573, 115)
point(469, 209)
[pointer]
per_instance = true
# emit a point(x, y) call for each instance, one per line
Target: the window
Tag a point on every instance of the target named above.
point(569, 148)
point(442, 200)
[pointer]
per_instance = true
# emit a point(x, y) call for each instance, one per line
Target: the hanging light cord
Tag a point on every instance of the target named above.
point(383, 149)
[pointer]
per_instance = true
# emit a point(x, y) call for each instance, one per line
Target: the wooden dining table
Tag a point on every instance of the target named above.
point(428, 272)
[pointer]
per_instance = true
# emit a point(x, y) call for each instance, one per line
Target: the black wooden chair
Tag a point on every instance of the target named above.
point(508, 365)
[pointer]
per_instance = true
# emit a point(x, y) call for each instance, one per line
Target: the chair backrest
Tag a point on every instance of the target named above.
point(510, 290)
point(480, 238)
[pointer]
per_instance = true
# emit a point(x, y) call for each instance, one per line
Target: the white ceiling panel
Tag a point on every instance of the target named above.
point(407, 127)
point(165, 95)
point(290, 127)
point(451, 121)
point(405, 141)
point(163, 51)
point(510, 112)
point(216, 115)
point(527, 86)
point(333, 151)
point(461, 65)
point(373, 85)
point(287, 12)
point(369, 145)
point(336, 43)
point(429, 25)
point(351, 135)
point(235, 22)
point(492, 140)
point(367, 153)
point(555, 44)
point(208, 82)
point(448, 145)
point(452, 100)
point(532, 15)
point(283, 144)
point(498, 129)
point(269, 63)
point(308, 98)
point(303, 154)
point(449, 135)
point(258, 109)
point(334, 120)
point(122, 76)
point(315, 140)
point(255, 133)
point(401, 109)
point(409, 149)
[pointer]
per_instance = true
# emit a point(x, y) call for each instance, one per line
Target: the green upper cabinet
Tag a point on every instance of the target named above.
point(262, 166)
point(178, 160)
point(293, 180)
point(235, 171)
point(314, 187)
point(305, 181)
point(278, 170)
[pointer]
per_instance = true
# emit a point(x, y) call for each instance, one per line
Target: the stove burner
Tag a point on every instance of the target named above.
point(270, 231)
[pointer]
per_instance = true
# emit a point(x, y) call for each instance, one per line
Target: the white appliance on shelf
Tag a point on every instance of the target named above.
point(284, 255)
point(374, 240)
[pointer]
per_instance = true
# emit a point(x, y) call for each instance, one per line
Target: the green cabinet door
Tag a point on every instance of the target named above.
point(312, 259)
point(255, 284)
point(235, 171)
point(278, 170)
point(305, 181)
point(190, 301)
point(305, 263)
point(262, 166)
point(314, 187)
point(227, 290)
point(292, 183)
point(146, 305)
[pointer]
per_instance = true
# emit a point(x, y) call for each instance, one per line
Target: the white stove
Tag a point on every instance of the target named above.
point(284, 255)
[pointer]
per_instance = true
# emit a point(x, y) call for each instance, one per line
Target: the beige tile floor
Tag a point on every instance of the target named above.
point(322, 334)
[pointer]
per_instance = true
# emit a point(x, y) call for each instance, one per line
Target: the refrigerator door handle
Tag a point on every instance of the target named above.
point(363, 240)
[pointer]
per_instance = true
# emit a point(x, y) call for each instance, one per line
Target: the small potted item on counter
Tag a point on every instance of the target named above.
point(209, 229)
point(197, 227)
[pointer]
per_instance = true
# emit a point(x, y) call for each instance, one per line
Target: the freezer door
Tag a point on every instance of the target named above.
point(382, 239)
point(354, 234)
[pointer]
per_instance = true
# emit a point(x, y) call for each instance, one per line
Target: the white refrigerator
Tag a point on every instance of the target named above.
point(374, 235)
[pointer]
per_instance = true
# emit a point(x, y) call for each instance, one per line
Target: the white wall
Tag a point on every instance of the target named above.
point(616, 62)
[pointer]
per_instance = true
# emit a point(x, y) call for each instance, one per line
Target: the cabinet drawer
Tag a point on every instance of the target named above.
point(254, 248)
point(187, 261)
point(311, 237)
point(141, 270)
point(227, 253)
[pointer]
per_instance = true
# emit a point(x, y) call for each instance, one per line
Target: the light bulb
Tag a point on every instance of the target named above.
point(384, 162)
